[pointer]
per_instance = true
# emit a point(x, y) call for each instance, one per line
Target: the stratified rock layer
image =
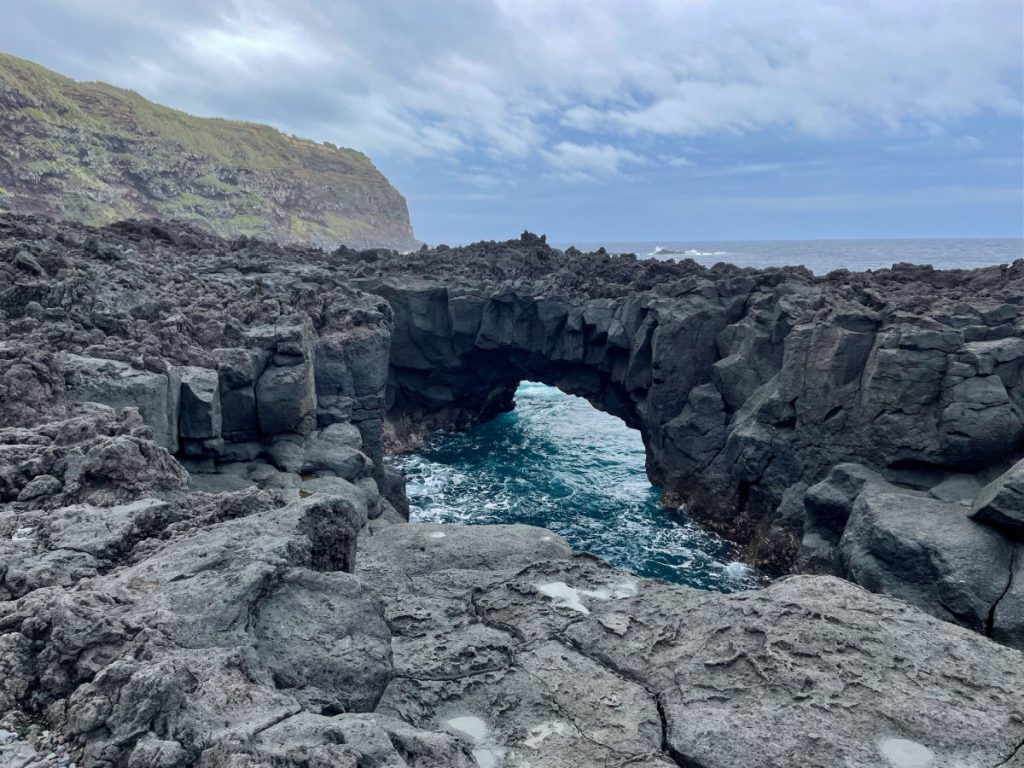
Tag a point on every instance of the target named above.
point(270, 607)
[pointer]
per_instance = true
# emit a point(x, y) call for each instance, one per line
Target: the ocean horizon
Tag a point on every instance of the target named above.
point(822, 256)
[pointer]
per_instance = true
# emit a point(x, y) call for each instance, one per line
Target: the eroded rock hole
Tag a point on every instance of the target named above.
point(556, 461)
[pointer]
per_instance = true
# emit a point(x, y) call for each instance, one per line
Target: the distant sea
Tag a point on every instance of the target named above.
point(823, 256)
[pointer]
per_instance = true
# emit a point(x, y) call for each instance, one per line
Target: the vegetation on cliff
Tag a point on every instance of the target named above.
point(96, 153)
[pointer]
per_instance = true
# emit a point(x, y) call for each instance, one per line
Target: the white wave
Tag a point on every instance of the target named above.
point(691, 252)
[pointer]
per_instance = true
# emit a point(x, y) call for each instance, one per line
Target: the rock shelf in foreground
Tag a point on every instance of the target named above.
point(264, 627)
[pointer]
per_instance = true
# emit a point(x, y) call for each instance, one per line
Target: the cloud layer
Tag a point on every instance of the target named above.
point(582, 91)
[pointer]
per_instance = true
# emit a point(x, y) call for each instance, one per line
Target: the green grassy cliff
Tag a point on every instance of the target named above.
point(96, 153)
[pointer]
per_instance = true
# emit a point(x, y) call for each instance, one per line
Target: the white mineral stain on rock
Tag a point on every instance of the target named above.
point(563, 595)
point(437, 535)
point(471, 725)
point(618, 591)
point(486, 757)
point(904, 753)
point(569, 597)
point(541, 731)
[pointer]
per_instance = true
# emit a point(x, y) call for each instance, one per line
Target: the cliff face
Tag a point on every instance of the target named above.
point(95, 153)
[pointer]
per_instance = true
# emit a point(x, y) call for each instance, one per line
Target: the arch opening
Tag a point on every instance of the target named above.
point(555, 461)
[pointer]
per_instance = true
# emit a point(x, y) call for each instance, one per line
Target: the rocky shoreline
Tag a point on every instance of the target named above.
point(204, 559)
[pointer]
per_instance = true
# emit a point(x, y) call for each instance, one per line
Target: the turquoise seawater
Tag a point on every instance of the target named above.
point(557, 462)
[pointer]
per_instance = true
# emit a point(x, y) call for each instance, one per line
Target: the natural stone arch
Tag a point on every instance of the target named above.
point(746, 387)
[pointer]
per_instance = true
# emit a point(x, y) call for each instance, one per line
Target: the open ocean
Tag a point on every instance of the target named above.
point(557, 462)
point(823, 256)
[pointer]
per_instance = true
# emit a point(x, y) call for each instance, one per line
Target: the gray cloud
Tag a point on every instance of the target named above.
point(510, 78)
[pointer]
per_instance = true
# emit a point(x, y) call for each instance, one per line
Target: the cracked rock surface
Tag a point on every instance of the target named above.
point(205, 561)
point(546, 658)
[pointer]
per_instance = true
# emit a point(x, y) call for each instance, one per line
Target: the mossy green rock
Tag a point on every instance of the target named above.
point(95, 153)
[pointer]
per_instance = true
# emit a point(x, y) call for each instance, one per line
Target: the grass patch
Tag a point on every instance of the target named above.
point(76, 138)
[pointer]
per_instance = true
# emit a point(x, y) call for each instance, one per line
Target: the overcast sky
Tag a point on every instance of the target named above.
point(603, 119)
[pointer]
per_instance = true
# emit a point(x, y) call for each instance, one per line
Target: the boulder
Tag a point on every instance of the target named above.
point(1001, 502)
point(827, 507)
point(332, 451)
point(41, 485)
point(335, 450)
point(26, 262)
point(286, 399)
point(286, 452)
point(200, 407)
point(118, 385)
point(122, 468)
point(925, 551)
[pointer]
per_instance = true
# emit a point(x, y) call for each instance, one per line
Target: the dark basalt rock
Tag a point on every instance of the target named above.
point(927, 552)
point(744, 384)
point(270, 606)
point(1001, 503)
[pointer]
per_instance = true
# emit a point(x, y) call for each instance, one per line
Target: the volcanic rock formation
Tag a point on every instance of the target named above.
point(767, 400)
point(269, 606)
